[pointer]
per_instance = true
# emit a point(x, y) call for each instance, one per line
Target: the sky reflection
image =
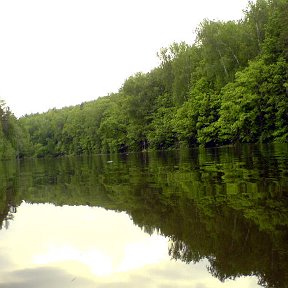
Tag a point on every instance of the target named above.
point(48, 246)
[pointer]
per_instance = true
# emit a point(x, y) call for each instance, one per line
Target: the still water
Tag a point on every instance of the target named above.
point(196, 218)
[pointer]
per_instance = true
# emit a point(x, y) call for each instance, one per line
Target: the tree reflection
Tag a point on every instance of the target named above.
point(227, 205)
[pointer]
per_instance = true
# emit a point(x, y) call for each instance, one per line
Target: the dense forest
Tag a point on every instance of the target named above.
point(229, 86)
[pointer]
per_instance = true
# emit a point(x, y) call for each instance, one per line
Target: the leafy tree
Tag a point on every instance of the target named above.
point(249, 105)
point(113, 127)
point(256, 17)
point(161, 134)
point(225, 48)
point(14, 140)
point(141, 91)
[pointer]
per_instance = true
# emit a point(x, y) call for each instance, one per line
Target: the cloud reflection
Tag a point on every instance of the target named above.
point(44, 277)
point(91, 247)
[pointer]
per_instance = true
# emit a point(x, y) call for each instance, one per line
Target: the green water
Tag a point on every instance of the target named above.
point(195, 218)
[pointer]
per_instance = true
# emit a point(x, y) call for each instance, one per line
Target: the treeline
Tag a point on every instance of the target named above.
point(229, 86)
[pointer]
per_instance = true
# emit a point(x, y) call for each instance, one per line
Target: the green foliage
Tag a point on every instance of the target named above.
point(250, 104)
point(178, 62)
point(184, 124)
point(256, 18)
point(142, 91)
point(161, 134)
point(229, 86)
point(195, 120)
point(14, 139)
point(113, 127)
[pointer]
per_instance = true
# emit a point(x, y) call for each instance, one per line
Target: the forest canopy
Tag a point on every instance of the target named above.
point(229, 86)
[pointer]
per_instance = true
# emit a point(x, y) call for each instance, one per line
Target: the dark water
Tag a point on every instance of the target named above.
point(195, 218)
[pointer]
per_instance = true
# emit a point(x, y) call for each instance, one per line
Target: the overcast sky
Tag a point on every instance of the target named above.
point(56, 53)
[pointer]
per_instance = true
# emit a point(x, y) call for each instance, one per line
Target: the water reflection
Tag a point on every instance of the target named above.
point(223, 208)
point(86, 253)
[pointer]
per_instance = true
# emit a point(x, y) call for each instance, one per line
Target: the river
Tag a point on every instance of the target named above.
point(201, 218)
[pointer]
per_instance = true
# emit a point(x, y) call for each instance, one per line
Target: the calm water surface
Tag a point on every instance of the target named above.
point(195, 218)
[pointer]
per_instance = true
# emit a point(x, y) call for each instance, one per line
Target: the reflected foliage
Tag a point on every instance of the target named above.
point(227, 205)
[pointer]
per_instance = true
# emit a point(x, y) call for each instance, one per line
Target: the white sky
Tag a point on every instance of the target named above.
point(56, 53)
